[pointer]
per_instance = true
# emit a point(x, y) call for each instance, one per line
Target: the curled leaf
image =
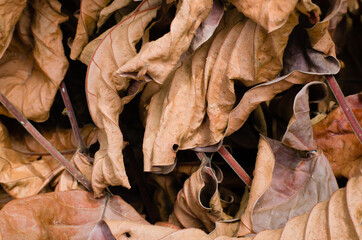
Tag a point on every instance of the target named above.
point(198, 204)
point(106, 12)
point(287, 182)
point(89, 13)
point(158, 58)
point(8, 19)
point(103, 94)
point(39, 68)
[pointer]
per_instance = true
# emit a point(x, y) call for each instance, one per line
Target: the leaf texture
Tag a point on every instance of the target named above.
point(25, 166)
point(286, 183)
point(61, 215)
point(158, 58)
point(338, 141)
point(40, 68)
point(103, 91)
point(8, 19)
point(87, 23)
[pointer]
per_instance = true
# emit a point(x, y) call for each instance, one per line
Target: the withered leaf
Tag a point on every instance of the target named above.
point(103, 94)
point(87, 22)
point(338, 141)
point(269, 14)
point(338, 218)
point(67, 181)
point(61, 215)
point(25, 166)
point(286, 182)
point(158, 58)
point(40, 68)
point(8, 19)
point(106, 12)
point(198, 204)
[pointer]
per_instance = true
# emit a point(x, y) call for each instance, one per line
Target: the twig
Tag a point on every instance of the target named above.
point(344, 106)
point(45, 143)
point(235, 166)
point(72, 118)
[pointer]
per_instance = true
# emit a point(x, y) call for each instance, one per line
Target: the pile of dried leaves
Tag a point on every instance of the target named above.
point(182, 88)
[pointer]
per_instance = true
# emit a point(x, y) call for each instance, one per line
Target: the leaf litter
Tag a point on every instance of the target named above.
point(158, 87)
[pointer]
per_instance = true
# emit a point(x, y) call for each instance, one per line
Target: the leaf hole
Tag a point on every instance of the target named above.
point(128, 235)
point(39, 158)
point(175, 147)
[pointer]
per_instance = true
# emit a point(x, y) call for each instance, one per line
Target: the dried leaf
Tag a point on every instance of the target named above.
point(40, 69)
point(126, 229)
point(103, 94)
point(338, 218)
point(67, 181)
point(338, 141)
point(158, 58)
point(61, 215)
point(287, 181)
point(106, 12)
point(26, 168)
point(87, 22)
point(8, 19)
point(270, 14)
point(198, 204)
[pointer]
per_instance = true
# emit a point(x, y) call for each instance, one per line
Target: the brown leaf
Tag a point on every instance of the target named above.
point(287, 181)
point(4, 198)
point(103, 94)
point(338, 218)
point(338, 141)
point(117, 230)
point(198, 204)
point(67, 181)
point(270, 14)
point(40, 68)
point(61, 215)
point(158, 58)
point(26, 168)
point(8, 19)
point(106, 12)
point(87, 22)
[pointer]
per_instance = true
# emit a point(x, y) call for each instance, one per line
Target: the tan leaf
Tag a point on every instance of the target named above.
point(39, 69)
point(198, 204)
point(8, 19)
point(61, 215)
point(338, 218)
point(126, 229)
point(67, 181)
point(338, 141)
point(103, 94)
point(26, 168)
point(270, 14)
point(158, 58)
point(286, 182)
point(106, 12)
point(87, 23)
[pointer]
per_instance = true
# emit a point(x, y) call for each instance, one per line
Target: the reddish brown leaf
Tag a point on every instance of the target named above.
point(61, 215)
point(339, 143)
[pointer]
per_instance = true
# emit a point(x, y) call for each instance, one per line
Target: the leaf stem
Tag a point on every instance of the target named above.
point(72, 118)
point(235, 166)
point(45, 143)
point(332, 82)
